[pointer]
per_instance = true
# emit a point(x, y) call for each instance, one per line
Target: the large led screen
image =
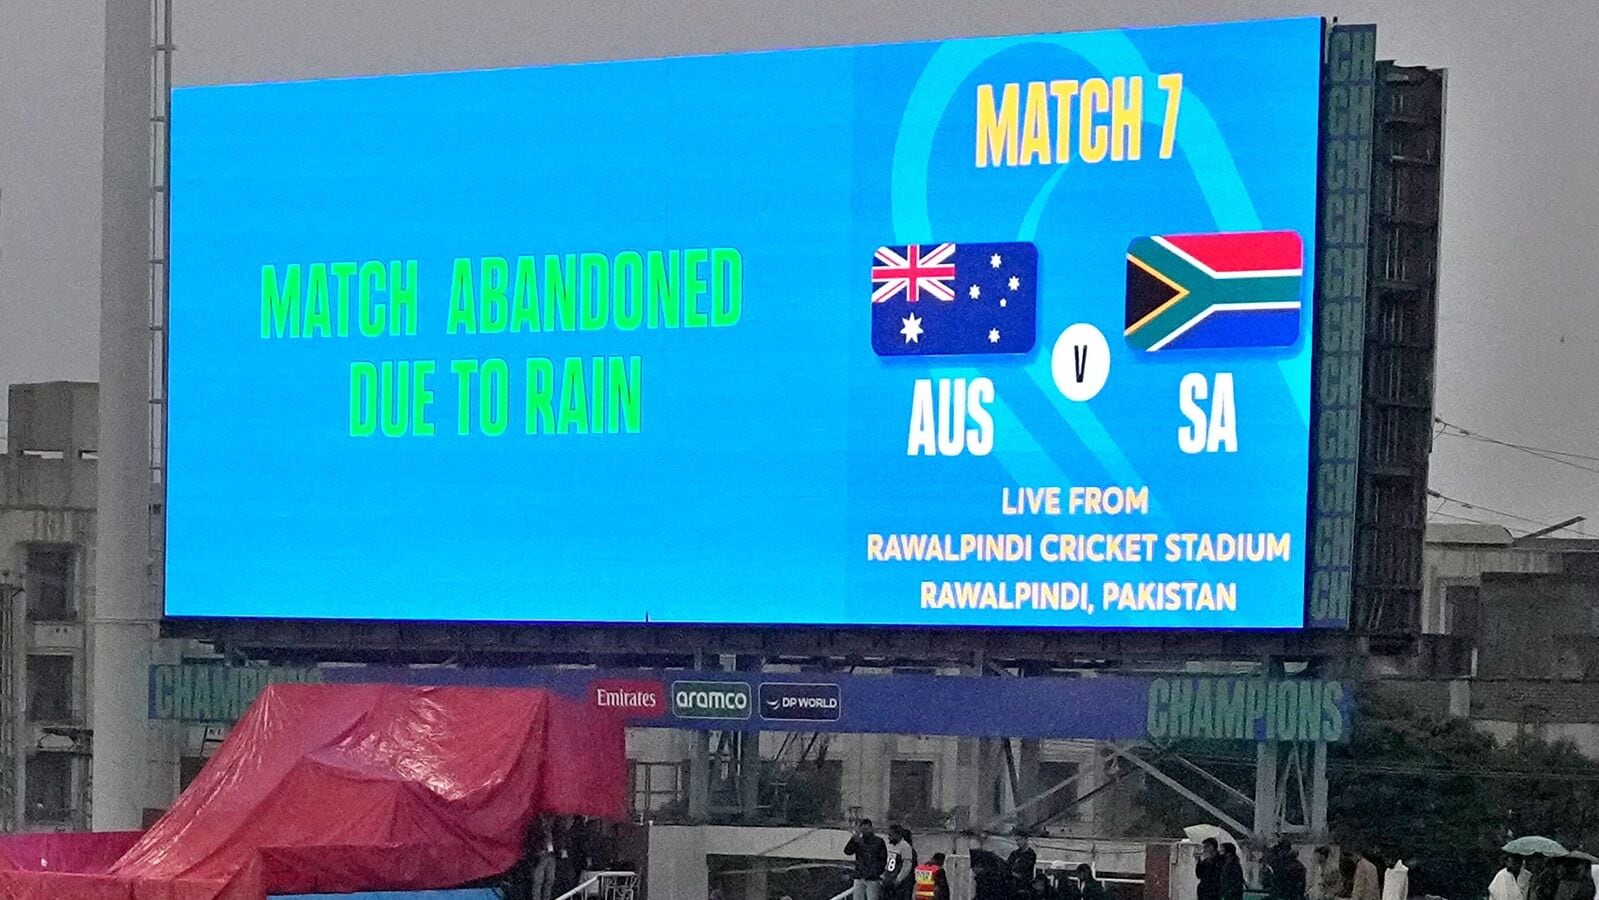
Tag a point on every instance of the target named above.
point(1000, 332)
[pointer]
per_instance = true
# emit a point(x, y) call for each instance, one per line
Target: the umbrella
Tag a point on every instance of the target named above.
point(1198, 834)
point(1533, 845)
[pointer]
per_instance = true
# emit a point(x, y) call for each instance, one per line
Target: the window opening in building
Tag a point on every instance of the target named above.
point(910, 789)
point(49, 688)
point(48, 584)
point(49, 798)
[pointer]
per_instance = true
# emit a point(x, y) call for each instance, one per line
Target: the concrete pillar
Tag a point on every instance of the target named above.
point(1318, 793)
point(1027, 759)
point(749, 775)
point(124, 621)
point(699, 778)
point(1265, 791)
point(988, 780)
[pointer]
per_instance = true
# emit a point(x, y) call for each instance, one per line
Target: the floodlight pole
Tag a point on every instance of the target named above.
point(123, 619)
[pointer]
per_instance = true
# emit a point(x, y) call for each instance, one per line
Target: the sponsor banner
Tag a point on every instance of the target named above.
point(1171, 707)
point(631, 698)
point(711, 700)
point(784, 702)
point(213, 692)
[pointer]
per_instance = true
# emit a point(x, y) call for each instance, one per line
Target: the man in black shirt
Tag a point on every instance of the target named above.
point(871, 857)
point(1021, 863)
point(1285, 874)
point(1231, 883)
point(1208, 869)
point(1092, 888)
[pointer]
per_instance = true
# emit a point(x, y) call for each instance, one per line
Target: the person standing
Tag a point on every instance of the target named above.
point(1208, 870)
point(1368, 882)
point(568, 867)
point(900, 868)
point(989, 881)
point(1090, 887)
point(1507, 883)
point(544, 854)
point(1231, 873)
point(871, 858)
point(1329, 880)
point(1021, 863)
point(1545, 881)
point(932, 883)
point(1285, 874)
point(1576, 880)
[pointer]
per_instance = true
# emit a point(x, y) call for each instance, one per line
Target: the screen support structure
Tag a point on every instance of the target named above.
point(726, 777)
point(1289, 798)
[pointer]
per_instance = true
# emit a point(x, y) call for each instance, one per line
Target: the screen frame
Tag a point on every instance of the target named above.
point(801, 638)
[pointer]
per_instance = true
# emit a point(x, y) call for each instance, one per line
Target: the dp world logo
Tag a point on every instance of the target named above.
point(792, 702)
point(711, 700)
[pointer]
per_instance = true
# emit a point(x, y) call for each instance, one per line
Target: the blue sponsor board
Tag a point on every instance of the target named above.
point(817, 337)
point(1097, 708)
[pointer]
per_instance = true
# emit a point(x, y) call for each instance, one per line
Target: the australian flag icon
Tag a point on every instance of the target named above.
point(954, 299)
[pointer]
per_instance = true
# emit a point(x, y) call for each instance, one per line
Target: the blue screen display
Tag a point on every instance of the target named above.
point(999, 332)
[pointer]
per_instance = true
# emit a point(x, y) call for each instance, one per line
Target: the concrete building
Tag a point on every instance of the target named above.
point(48, 487)
point(928, 782)
point(1526, 615)
point(47, 539)
point(816, 785)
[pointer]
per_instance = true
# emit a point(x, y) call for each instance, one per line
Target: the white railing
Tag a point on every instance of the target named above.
point(605, 886)
point(846, 894)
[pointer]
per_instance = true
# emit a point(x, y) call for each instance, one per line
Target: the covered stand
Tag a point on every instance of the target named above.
point(344, 788)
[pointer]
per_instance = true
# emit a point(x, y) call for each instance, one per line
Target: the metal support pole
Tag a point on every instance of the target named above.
point(1016, 795)
point(1028, 812)
point(699, 774)
point(1125, 752)
point(978, 780)
point(749, 775)
point(1219, 784)
point(749, 762)
point(750, 758)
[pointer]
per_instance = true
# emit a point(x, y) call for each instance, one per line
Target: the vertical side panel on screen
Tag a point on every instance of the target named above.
point(1343, 247)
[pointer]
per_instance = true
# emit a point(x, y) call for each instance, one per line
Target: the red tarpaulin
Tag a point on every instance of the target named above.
point(362, 787)
point(64, 852)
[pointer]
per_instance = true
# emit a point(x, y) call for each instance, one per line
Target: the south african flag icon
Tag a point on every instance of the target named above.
point(1208, 291)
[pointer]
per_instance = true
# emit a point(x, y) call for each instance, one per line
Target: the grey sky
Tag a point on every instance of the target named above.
point(1519, 341)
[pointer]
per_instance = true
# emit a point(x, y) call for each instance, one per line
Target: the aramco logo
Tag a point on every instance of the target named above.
point(711, 700)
